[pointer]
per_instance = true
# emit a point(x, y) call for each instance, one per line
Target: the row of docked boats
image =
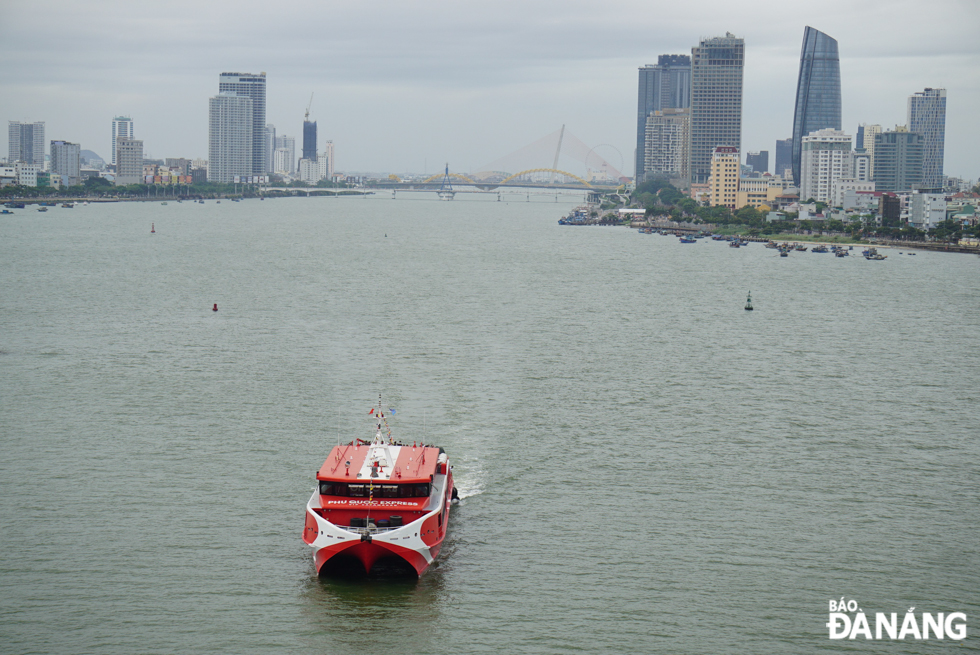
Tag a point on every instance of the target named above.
point(41, 206)
point(733, 241)
point(838, 251)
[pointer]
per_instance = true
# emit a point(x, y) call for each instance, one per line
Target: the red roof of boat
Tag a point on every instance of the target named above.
point(421, 468)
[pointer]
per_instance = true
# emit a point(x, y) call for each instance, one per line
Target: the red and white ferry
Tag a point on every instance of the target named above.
point(377, 500)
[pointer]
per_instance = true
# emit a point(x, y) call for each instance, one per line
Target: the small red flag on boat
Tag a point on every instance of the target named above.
point(372, 411)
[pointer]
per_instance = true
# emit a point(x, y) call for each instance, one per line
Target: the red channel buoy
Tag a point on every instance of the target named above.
point(215, 307)
point(153, 229)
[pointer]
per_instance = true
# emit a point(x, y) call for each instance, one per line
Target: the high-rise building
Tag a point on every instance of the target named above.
point(668, 137)
point(270, 147)
point(826, 159)
point(66, 162)
point(898, 160)
point(759, 161)
point(230, 132)
point(283, 157)
point(325, 161)
point(664, 86)
point(251, 86)
point(716, 100)
point(927, 116)
point(122, 126)
point(25, 143)
point(309, 140)
point(724, 176)
point(286, 161)
point(817, 91)
point(862, 166)
point(865, 141)
point(129, 162)
point(784, 158)
point(309, 171)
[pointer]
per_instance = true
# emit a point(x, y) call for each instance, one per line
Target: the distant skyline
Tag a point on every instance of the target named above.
point(404, 87)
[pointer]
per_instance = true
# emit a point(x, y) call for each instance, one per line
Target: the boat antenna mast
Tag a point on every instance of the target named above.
point(383, 434)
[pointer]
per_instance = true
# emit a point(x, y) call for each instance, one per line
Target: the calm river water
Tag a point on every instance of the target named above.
point(645, 466)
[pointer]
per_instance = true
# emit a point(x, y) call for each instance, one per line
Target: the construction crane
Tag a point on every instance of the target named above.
point(307, 118)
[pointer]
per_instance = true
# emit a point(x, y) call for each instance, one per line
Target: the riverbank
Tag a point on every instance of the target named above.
point(816, 239)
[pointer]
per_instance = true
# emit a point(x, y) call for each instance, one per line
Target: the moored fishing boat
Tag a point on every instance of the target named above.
point(378, 501)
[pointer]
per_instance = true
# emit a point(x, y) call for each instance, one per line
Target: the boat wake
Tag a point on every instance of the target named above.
point(469, 479)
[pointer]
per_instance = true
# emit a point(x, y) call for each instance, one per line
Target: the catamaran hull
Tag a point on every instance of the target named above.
point(369, 553)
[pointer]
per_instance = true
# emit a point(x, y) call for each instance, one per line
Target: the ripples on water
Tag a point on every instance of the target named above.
point(644, 466)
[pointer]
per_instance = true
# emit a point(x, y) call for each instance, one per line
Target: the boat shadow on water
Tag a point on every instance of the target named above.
point(389, 586)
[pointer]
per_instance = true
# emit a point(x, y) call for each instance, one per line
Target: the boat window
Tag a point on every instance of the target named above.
point(379, 491)
point(327, 489)
point(357, 490)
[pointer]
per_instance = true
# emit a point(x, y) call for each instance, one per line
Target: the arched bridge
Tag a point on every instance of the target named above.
point(491, 185)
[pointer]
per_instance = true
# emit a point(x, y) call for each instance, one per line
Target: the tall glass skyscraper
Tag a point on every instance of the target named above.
point(784, 156)
point(927, 116)
point(309, 140)
point(250, 86)
point(817, 91)
point(664, 86)
point(716, 100)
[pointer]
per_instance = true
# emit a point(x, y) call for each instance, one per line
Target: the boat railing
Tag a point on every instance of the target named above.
point(372, 530)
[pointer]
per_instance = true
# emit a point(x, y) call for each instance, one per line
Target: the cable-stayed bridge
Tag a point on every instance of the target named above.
point(543, 163)
point(556, 154)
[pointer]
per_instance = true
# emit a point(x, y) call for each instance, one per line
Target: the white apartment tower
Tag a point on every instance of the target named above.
point(129, 162)
point(825, 159)
point(667, 142)
point(66, 162)
point(325, 162)
point(230, 144)
point(285, 155)
point(122, 126)
point(251, 86)
point(270, 147)
point(25, 142)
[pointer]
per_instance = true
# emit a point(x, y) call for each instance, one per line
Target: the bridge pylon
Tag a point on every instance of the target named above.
point(446, 190)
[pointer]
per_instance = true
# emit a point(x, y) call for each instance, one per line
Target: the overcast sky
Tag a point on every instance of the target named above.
point(406, 86)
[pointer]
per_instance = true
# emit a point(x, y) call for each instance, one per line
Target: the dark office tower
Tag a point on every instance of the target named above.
point(784, 157)
point(251, 86)
point(309, 140)
point(716, 100)
point(759, 161)
point(817, 91)
point(664, 86)
point(927, 116)
point(898, 161)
